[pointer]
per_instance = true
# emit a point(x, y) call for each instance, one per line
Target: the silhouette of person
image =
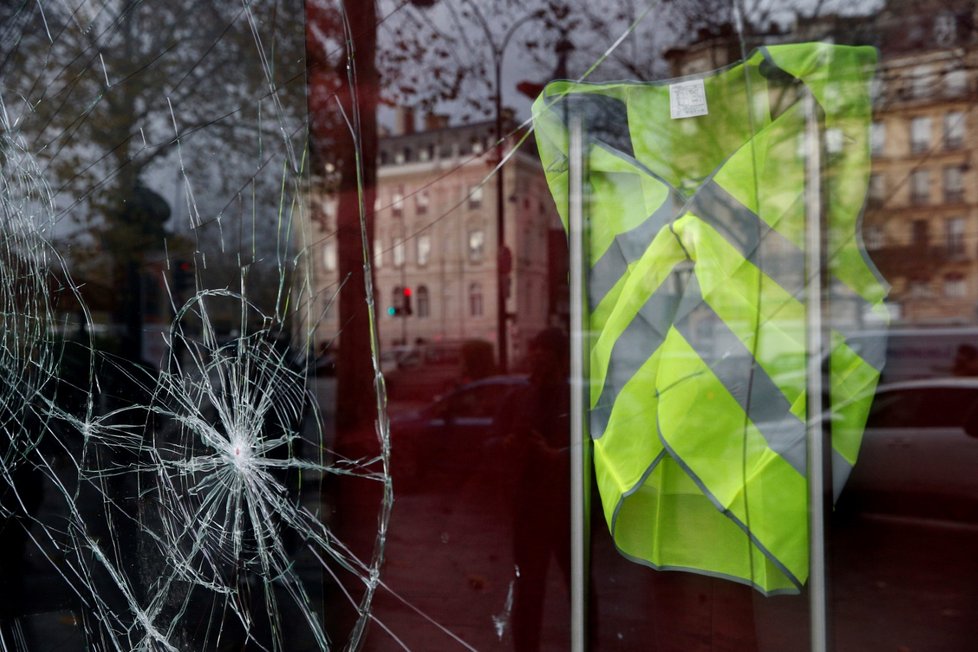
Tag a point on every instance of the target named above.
point(539, 437)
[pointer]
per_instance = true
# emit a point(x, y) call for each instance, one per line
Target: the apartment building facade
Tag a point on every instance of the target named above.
point(921, 218)
point(435, 251)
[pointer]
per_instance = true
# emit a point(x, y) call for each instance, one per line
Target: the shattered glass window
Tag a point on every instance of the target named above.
point(481, 324)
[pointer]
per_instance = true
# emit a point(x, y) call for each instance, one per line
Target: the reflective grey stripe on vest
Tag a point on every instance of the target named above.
point(640, 339)
point(767, 408)
point(626, 248)
point(772, 253)
point(780, 260)
point(753, 389)
point(723, 509)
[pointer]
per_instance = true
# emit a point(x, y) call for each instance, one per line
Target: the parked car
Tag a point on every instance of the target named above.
point(429, 370)
point(919, 452)
point(440, 442)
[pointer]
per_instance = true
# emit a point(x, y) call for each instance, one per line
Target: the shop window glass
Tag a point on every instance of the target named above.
point(224, 429)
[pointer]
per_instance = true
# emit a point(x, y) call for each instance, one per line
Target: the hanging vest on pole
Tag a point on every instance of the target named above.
point(694, 204)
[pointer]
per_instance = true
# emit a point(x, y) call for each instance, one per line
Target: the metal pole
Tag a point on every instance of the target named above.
point(402, 298)
point(819, 435)
point(501, 273)
point(579, 442)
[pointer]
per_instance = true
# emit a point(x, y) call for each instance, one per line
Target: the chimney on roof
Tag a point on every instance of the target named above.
point(404, 120)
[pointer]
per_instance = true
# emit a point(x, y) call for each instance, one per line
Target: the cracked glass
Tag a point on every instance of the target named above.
point(488, 325)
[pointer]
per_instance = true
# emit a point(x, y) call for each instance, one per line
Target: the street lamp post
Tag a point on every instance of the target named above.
point(503, 254)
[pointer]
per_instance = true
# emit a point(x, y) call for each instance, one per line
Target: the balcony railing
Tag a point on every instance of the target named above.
point(955, 196)
point(915, 260)
point(953, 142)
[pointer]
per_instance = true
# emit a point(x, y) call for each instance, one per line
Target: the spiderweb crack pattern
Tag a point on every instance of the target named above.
point(174, 501)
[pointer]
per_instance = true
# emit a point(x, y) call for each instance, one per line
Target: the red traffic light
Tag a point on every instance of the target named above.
point(407, 292)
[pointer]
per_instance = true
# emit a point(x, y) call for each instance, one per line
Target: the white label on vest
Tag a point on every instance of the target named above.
point(687, 99)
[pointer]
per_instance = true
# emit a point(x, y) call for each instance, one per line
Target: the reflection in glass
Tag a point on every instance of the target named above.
point(475, 300)
point(920, 134)
point(476, 245)
point(194, 428)
point(954, 129)
point(920, 187)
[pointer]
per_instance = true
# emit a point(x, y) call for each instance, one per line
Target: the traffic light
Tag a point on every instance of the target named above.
point(402, 303)
point(406, 302)
point(182, 275)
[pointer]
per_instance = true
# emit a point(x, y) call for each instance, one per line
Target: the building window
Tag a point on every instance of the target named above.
point(920, 288)
point(397, 255)
point(956, 82)
point(397, 202)
point(919, 134)
point(955, 236)
point(475, 300)
point(329, 256)
point(874, 237)
point(424, 249)
point(920, 233)
point(920, 186)
point(422, 302)
point(476, 245)
point(877, 138)
point(378, 252)
point(953, 184)
point(953, 130)
point(945, 29)
point(920, 83)
point(876, 89)
point(475, 196)
point(955, 286)
point(877, 189)
point(421, 201)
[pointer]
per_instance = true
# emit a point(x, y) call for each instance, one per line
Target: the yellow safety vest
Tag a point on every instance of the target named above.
point(696, 293)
